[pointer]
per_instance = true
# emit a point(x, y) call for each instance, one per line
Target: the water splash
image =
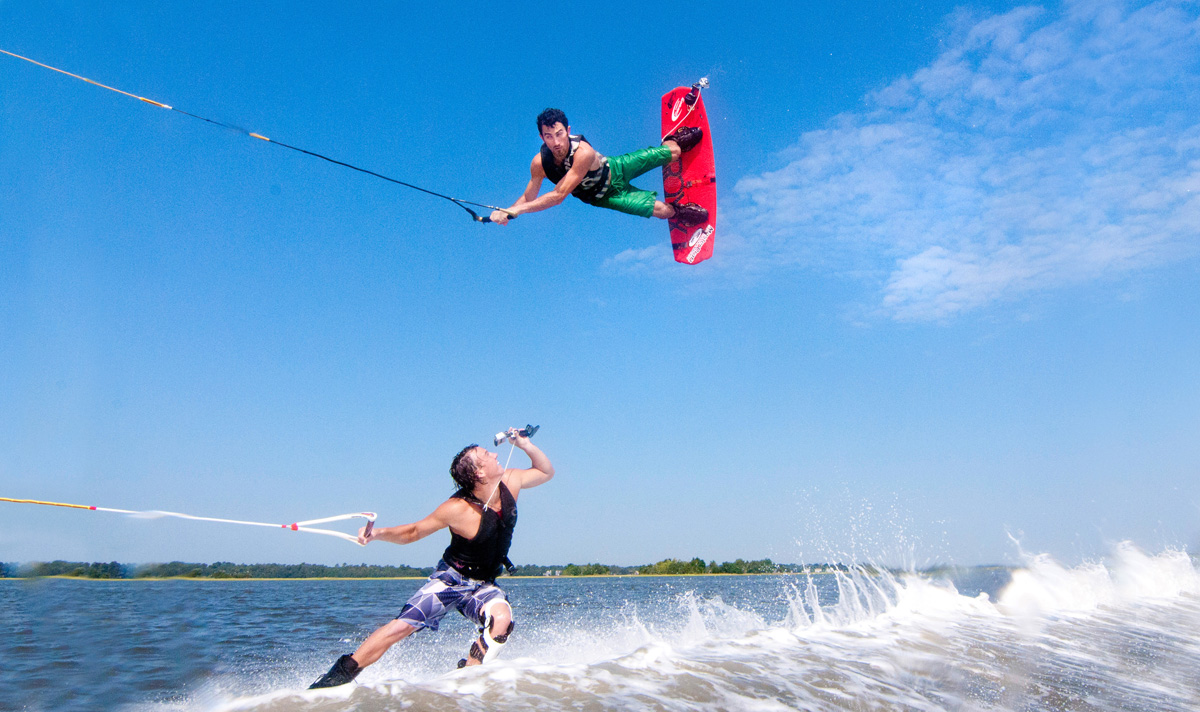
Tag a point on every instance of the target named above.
point(1044, 587)
point(1113, 635)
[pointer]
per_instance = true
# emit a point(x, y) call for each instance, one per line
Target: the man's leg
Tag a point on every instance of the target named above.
point(627, 198)
point(690, 137)
point(663, 211)
point(497, 626)
point(377, 643)
point(424, 610)
point(628, 166)
point(674, 148)
point(684, 138)
point(488, 608)
point(348, 667)
point(636, 163)
point(645, 204)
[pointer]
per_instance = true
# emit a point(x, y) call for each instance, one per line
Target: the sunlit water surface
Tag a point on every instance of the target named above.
point(1121, 635)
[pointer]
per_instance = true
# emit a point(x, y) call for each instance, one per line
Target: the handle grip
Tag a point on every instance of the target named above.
point(526, 431)
point(486, 219)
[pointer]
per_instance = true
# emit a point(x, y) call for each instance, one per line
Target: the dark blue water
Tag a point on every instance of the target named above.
point(97, 644)
point(1116, 637)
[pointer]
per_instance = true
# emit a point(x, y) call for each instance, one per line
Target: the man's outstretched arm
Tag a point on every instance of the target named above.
point(529, 202)
point(408, 533)
point(536, 175)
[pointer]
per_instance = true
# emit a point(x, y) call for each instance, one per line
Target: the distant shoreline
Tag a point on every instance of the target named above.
point(65, 577)
point(306, 571)
point(222, 579)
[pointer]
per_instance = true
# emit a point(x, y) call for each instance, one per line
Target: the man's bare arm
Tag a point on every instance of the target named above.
point(536, 176)
point(541, 469)
point(441, 518)
point(530, 203)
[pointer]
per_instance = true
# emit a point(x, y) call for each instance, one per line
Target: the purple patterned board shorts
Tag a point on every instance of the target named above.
point(448, 589)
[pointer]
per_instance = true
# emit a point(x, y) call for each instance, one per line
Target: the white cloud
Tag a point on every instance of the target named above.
point(1044, 148)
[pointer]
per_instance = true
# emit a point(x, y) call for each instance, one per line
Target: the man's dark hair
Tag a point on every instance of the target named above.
point(550, 117)
point(463, 468)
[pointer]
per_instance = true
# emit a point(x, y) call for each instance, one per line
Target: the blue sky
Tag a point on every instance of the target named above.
point(953, 297)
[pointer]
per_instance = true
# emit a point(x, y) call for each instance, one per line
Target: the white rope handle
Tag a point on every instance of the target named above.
point(295, 526)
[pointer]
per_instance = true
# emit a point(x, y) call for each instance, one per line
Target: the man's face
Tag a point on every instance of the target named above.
point(487, 465)
point(558, 139)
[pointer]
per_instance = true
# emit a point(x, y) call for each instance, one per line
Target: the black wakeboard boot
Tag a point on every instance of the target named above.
point(342, 672)
point(689, 214)
point(686, 136)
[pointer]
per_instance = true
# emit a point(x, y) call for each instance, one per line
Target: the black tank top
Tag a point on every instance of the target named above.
point(485, 556)
point(595, 182)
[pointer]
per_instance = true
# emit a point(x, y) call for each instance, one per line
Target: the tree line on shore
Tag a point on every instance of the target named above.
point(228, 570)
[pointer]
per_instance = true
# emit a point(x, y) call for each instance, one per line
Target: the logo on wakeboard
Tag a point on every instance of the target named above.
point(677, 109)
point(697, 241)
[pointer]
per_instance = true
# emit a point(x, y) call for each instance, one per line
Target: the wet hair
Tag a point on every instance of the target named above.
point(463, 468)
point(550, 117)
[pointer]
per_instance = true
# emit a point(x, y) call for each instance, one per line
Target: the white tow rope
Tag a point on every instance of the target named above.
point(154, 514)
point(497, 487)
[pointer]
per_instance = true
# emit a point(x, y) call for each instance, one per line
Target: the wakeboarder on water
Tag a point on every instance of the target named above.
point(481, 516)
point(575, 168)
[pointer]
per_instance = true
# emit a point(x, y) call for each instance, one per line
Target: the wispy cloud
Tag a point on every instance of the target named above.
point(1044, 148)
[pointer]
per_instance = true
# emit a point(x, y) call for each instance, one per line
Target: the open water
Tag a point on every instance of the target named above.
point(1119, 635)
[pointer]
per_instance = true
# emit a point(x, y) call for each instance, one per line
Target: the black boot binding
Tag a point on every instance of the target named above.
point(686, 136)
point(342, 672)
point(689, 214)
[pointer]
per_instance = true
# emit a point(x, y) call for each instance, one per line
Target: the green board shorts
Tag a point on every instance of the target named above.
point(626, 198)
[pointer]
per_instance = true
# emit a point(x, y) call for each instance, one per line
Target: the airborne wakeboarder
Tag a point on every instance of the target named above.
point(481, 516)
point(575, 168)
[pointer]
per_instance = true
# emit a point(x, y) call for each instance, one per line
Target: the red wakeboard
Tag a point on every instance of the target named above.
point(693, 178)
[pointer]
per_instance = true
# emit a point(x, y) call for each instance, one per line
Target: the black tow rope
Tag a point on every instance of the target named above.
point(457, 201)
